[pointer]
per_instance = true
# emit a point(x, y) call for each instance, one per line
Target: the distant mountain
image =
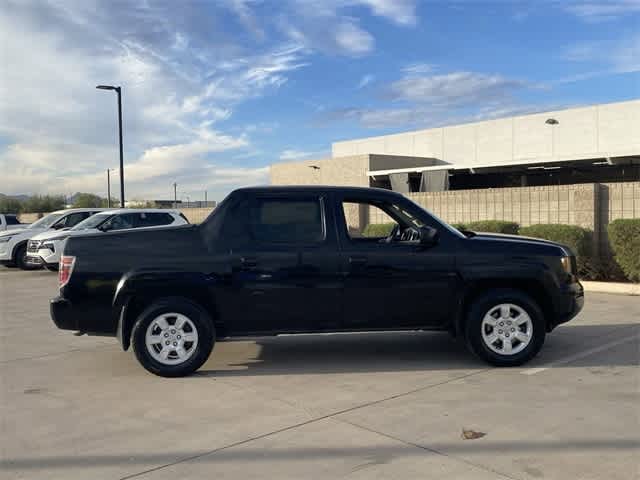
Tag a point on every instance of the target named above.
point(22, 198)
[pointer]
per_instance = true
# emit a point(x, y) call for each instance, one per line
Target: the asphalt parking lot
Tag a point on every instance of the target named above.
point(358, 406)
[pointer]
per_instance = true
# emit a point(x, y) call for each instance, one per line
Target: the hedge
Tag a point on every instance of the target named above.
point(460, 226)
point(577, 238)
point(377, 230)
point(494, 226)
point(624, 237)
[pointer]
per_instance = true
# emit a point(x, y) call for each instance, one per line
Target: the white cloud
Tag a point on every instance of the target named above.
point(353, 39)
point(365, 80)
point(452, 89)
point(600, 11)
point(290, 155)
point(610, 57)
point(61, 132)
point(418, 69)
point(402, 12)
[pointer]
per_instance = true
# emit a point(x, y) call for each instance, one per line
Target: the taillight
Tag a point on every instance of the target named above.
point(65, 269)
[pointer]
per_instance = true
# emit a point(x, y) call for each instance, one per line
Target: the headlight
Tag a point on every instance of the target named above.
point(566, 264)
point(49, 246)
point(6, 238)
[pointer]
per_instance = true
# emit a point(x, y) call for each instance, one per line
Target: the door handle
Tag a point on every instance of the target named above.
point(357, 260)
point(248, 263)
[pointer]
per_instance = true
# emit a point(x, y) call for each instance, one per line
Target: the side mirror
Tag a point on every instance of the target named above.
point(105, 228)
point(58, 226)
point(428, 236)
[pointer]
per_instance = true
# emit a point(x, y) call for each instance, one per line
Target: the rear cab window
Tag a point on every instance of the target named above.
point(293, 220)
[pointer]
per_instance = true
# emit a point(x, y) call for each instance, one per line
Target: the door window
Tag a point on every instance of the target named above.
point(377, 221)
point(120, 222)
point(12, 220)
point(286, 220)
point(154, 219)
point(72, 220)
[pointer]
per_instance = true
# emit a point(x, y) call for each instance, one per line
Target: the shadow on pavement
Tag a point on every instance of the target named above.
point(258, 454)
point(406, 351)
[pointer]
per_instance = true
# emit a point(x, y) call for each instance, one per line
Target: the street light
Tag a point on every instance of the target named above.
point(118, 90)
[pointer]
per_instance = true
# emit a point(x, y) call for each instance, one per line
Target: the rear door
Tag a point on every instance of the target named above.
point(285, 265)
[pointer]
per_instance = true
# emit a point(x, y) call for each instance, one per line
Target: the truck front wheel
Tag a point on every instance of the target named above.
point(505, 327)
point(173, 337)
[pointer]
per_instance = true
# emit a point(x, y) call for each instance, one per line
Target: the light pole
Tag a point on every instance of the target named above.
point(118, 90)
point(175, 195)
point(108, 188)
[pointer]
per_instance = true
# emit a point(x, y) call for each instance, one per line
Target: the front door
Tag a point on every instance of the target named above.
point(391, 280)
point(285, 276)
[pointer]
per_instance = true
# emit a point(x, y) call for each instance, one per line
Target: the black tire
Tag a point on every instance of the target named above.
point(20, 258)
point(202, 323)
point(482, 306)
point(52, 268)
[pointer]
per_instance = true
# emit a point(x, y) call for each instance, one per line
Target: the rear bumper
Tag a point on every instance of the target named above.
point(63, 314)
point(569, 303)
point(87, 316)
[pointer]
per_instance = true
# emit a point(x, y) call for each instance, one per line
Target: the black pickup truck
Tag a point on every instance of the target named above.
point(276, 260)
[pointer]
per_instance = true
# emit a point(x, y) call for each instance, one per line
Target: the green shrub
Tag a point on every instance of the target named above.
point(459, 226)
point(578, 239)
point(624, 237)
point(377, 230)
point(494, 226)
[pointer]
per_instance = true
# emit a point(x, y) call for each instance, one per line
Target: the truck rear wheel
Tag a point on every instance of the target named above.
point(173, 337)
point(505, 327)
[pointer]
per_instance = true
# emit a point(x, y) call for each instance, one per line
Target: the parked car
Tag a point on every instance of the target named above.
point(278, 260)
point(13, 243)
point(45, 248)
point(9, 221)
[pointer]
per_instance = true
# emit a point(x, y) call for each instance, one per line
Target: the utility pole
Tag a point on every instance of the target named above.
point(108, 188)
point(175, 195)
point(205, 198)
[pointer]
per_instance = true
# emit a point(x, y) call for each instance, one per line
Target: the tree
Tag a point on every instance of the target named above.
point(43, 203)
point(10, 205)
point(89, 200)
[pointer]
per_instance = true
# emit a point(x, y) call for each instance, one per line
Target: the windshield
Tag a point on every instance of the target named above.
point(92, 222)
point(46, 222)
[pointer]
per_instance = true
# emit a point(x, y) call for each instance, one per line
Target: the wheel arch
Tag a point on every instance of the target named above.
point(529, 286)
point(136, 292)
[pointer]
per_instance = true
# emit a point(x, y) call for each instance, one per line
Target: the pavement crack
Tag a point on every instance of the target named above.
point(302, 424)
point(426, 448)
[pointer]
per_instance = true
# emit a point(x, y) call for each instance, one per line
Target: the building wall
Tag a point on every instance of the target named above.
point(597, 131)
point(345, 171)
point(590, 206)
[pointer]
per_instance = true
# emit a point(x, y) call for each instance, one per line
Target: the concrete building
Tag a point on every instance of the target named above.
point(599, 143)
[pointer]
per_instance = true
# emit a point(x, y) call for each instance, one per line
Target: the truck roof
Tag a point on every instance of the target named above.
point(318, 188)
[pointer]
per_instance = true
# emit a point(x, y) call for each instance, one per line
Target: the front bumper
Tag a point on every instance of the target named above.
point(35, 260)
point(569, 303)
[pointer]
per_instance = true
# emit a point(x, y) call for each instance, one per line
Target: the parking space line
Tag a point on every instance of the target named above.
point(578, 356)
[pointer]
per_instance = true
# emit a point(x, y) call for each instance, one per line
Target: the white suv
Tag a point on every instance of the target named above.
point(13, 243)
point(45, 249)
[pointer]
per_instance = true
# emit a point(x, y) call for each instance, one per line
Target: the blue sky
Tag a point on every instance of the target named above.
point(216, 91)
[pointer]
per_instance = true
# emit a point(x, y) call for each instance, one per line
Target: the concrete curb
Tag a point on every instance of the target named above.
point(612, 287)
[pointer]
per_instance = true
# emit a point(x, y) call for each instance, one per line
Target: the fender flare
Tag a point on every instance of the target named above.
point(154, 284)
